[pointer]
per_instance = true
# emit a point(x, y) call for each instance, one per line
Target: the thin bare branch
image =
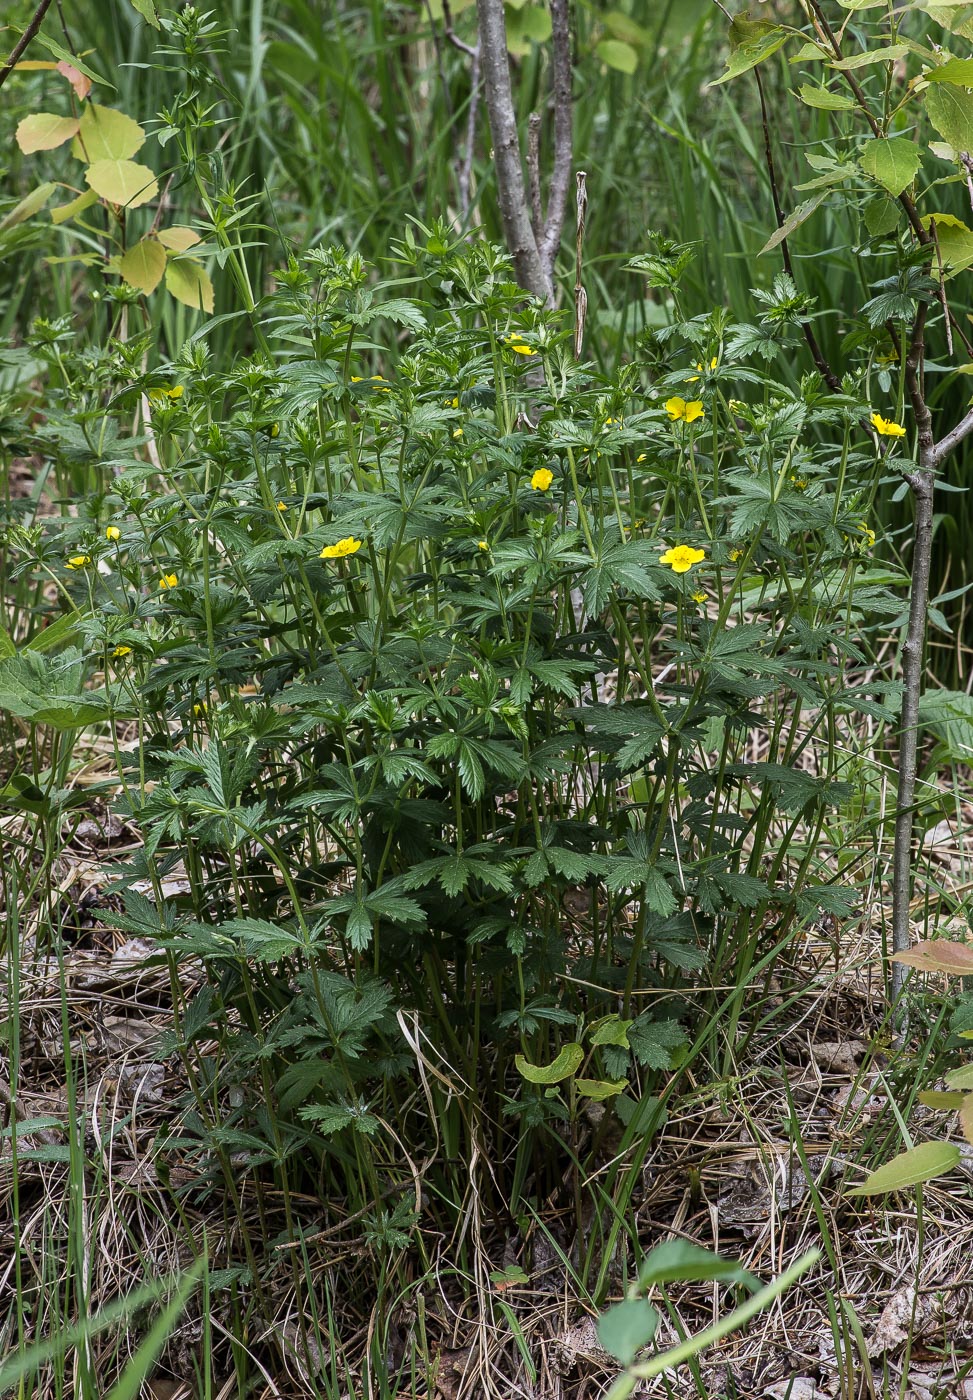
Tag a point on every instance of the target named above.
point(557, 192)
point(534, 175)
point(580, 295)
point(453, 37)
point(29, 33)
point(922, 483)
point(511, 192)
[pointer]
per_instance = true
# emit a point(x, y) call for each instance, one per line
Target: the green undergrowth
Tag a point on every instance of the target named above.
point(496, 716)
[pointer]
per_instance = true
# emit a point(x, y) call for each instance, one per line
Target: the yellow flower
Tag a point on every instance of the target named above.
point(517, 344)
point(457, 432)
point(869, 534)
point(642, 457)
point(699, 596)
point(199, 709)
point(78, 561)
point(121, 651)
point(282, 506)
point(799, 482)
point(735, 554)
point(694, 378)
point(168, 581)
point(541, 480)
point(682, 557)
point(161, 394)
point(374, 381)
point(453, 402)
point(275, 430)
point(887, 427)
point(678, 409)
point(113, 533)
point(349, 545)
point(482, 544)
point(614, 422)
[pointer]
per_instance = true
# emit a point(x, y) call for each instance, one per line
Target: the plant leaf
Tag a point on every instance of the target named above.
point(189, 283)
point(618, 55)
point(951, 113)
point(122, 182)
point(63, 212)
point(29, 205)
point(106, 134)
point(892, 161)
point(939, 955)
point(44, 131)
point(144, 265)
point(627, 1327)
point(563, 1067)
point(177, 238)
point(910, 1168)
point(681, 1261)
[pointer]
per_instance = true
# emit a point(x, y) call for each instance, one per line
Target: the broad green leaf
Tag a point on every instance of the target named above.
point(122, 182)
point(25, 795)
point(892, 161)
point(954, 70)
point(527, 25)
point(910, 1168)
point(793, 221)
point(563, 1067)
point(824, 98)
point(63, 212)
point(106, 134)
point(618, 55)
point(755, 50)
point(864, 60)
point(610, 1030)
point(44, 131)
point(7, 647)
point(61, 53)
point(955, 249)
point(938, 1098)
point(29, 205)
point(960, 1078)
point(189, 283)
point(177, 238)
point(146, 8)
point(951, 113)
point(881, 215)
point(600, 1089)
point(680, 1261)
point(622, 26)
point(626, 1328)
point(144, 265)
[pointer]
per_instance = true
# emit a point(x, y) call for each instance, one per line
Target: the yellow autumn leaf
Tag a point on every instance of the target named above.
point(144, 265)
point(189, 283)
point(105, 134)
point(177, 238)
point(44, 131)
point(122, 182)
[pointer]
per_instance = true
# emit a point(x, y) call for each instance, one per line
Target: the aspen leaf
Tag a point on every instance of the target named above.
point(64, 212)
point(824, 98)
point(107, 135)
point(892, 161)
point(44, 131)
point(177, 239)
point(910, 1168)
point(122, 182)
point(188, 283)
point(627, 1327)
point(78, 80)
point(958, 71)
point(938, 1098)
point(951, 113)
point(144, 265)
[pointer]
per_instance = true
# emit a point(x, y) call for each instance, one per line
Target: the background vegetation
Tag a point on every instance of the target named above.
point(455, 845)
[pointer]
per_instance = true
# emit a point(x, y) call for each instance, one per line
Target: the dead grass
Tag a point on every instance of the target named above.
point(753, 1165)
